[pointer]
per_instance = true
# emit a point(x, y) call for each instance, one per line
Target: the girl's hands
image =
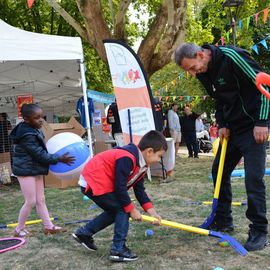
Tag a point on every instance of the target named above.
point(69, 160)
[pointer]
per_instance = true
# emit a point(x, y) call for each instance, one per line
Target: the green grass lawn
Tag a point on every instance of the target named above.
point(167, 249)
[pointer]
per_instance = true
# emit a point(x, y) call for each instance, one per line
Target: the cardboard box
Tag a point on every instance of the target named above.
point(101, 146)
point(50, 130)
point(4, 157)
point(5, 173)
point(72, 125)
point(51, 181)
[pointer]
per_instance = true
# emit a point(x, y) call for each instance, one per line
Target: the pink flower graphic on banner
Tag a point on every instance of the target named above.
point(131, 76)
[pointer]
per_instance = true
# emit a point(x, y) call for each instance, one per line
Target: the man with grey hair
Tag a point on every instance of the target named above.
point(242, 113)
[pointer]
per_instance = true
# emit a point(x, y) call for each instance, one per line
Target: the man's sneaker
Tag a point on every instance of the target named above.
point(123, 256)
point(256, 240)
point(221, 227)
point(85, 240)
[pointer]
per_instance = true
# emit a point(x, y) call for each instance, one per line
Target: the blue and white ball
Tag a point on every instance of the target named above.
point(73, 144)
point(149, 233)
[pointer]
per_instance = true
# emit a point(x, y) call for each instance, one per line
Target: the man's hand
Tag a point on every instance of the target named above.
point(260, 134)
point(152, 212)
point(223, 133)
point(135, 214)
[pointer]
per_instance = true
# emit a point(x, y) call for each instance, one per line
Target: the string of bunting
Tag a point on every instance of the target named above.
point(163, 90)
point(168, 100)
point(241, 24)
point(262, 42)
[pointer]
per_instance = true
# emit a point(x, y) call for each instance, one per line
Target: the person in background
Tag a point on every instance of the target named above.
point(5, 128)
point(213, 130)
point(201, 132)
point(31, 162)
point(106, 179)
point(242, 113)
point(174, 126)
point(189, 132)
point(114, 120)
point(158, 116)
point(166, 129)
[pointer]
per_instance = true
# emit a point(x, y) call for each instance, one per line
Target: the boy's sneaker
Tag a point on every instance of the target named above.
point(86, 241)
point(123, 256)
point(256, 240)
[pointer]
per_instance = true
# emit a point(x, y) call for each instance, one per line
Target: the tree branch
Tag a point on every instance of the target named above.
point(173, 34)
point(150, 42)
point(69, 19)
point(96, 26)
point(119, 27)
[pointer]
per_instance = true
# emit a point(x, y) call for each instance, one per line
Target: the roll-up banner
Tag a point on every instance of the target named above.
point(132, 90)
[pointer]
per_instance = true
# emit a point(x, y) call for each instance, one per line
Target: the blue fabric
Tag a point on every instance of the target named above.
point(80, 109)
point(113, 213)
point(100, 97)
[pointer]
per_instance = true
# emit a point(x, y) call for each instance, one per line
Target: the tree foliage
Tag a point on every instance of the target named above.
point(109, 19)
point(207, 21)
point(96, 20)
point(160, 25)
point(42, 18)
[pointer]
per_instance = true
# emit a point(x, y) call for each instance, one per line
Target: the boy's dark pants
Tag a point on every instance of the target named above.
point(113, 213)
point(254, 163)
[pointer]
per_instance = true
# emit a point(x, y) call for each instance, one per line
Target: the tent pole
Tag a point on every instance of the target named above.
point(87, 118)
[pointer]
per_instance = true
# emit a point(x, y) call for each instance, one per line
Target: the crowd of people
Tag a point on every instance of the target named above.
point(184, 127)
point(188, 128)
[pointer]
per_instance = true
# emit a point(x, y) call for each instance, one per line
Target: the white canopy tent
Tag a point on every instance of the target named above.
point(48, 67)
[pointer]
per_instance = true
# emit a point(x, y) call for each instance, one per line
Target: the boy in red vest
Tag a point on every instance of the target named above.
point(106, 179)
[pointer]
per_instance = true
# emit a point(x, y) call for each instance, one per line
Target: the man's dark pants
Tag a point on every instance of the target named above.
point(254, 164)
point(191, 142)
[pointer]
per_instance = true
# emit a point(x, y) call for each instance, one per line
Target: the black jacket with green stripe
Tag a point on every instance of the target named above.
point(230, 80)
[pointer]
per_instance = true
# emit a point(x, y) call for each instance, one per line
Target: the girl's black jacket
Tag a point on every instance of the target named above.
point(29, 155)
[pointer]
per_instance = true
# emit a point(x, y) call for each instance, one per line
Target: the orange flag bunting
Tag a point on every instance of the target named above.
point(30, 3)
point(265, 14)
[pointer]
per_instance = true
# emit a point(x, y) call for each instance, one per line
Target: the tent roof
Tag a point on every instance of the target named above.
point(17, 44)
point(46, 66)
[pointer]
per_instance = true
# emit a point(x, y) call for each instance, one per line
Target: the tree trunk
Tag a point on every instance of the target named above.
point(165, 34)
